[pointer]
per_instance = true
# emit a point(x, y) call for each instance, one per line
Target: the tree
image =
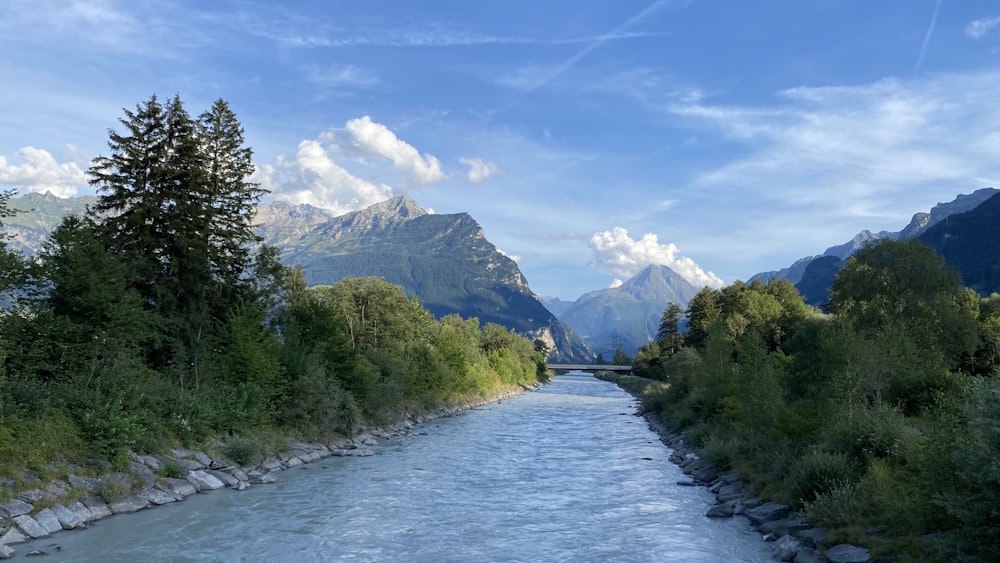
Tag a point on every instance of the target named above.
point(669, 334)
point(176, 207)
point(703, 310)
point(906, 284)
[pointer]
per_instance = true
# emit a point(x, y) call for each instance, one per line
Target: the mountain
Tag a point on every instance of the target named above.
point(627, 315)
point(970, 243)
point(816, 286)
point(37, 216)
point(443, 260)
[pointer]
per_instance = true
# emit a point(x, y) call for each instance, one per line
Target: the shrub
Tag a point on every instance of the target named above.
point(840, 506)
point(115, 486)
point(170, 468)
point(815, 474)
point(243, 451)
point(721, 452)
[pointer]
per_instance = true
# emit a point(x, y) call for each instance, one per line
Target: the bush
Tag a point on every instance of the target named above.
point(243, 451)
point(840, 506)
point(170, 468)
point(815, 474)
point(721, 452)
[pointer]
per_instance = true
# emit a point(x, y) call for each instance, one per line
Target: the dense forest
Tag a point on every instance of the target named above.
point(878, 418)
point(158, 318)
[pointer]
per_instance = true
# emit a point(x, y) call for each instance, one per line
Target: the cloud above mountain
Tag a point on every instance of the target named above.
point(624, 256)
point(40, 172)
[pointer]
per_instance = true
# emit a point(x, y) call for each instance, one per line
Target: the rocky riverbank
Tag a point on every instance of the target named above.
point(46, 508)
point(793, 538)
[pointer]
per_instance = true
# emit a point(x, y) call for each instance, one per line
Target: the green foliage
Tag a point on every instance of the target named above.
point(243, 451)
point(817, 473)
point(171, 468)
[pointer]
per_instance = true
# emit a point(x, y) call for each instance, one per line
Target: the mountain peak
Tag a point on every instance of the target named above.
point(400, 206)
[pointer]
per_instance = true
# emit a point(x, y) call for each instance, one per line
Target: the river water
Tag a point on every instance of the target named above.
point(564, 473)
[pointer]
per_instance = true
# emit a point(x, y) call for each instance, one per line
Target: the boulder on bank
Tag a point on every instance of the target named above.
point(66, 517)
point(179, 487)
point(5, 551)
point(14, 508)
point(128, 503)
point(785, 548)
point(13, 536)
point(30, 527)
point(724, 510)
point(202, 480)
point(767, 512)
point(47, 519)
point(97, 507)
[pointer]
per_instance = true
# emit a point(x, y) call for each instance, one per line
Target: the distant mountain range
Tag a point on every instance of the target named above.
point(443, 260)
point(627, 315)
point(814, 275)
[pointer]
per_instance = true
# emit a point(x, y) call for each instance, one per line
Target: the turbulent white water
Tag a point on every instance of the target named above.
point(565, 473)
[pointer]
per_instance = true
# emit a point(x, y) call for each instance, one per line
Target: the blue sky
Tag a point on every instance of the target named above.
point(722, 138)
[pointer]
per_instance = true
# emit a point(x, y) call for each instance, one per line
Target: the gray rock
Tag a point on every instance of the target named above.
point(264, 479)
point(82, 512)
point(242, 486)
point(151, 462)
point(88, 484)
point(188, 465)
point(813, 537)
point(202, 458)
point(227, 479)
point(145, 474)
point(47, 519)
point(14, 508)
point(293, 461)
point(180, 453)
point(67, 518)
point(6, 552)
point(724, 510)
point(809, 555)
point(767, 512)
point(271, 464)
point(32, 496)
point(57, 490)
point(785, 527)
point(12, 536)
point(238, 473)
point(179, 487)
point(686, 483)
point(30, 527)
point(847, 553)
point(203, 481)
point(158, 496)
point(785, 548)
point(735, 487)
point(128, 503)
point(97, 507)
point(369, 441)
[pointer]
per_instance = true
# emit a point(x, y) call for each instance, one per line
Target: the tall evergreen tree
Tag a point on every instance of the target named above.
point(669, 334)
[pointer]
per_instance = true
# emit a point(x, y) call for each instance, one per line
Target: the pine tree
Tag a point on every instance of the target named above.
point(669, 334)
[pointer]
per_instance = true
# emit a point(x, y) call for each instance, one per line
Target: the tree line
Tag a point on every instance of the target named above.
point(159, 317)
point(877, 417)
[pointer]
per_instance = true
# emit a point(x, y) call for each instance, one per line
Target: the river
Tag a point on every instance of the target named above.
point(564, 473)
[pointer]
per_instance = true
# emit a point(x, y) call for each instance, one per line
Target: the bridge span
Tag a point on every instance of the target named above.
point(590, 367)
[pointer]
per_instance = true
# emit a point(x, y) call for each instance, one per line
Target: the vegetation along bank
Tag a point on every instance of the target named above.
point(157, 327)
point(875, 419)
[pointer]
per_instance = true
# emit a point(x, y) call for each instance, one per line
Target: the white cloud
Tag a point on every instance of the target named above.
point(851, 152)
point(376, 139)
point(313, 177)
point(479, 169)
point(978, 28)
point(323, 171)
point(39, 172)
point(616, 283)
point(622, 255)
point(514, 257)
point(340, 77)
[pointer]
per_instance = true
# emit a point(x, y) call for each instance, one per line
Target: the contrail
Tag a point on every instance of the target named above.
point(598, 43)
point(927, 39)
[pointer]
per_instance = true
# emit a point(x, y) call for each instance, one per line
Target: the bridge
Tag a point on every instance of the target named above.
point(590, 367)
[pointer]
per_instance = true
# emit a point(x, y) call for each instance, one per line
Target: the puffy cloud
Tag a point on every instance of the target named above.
point(323, 171)
point(376, 139)
point(978, 28)
point(616, 283)
point(624, 256)
point(479, 169)
point(39, 172)
point(313, 177)
point(514, 257)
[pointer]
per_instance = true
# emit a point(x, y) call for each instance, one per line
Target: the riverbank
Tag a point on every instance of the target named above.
point(52, 506)
point(792, 537)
